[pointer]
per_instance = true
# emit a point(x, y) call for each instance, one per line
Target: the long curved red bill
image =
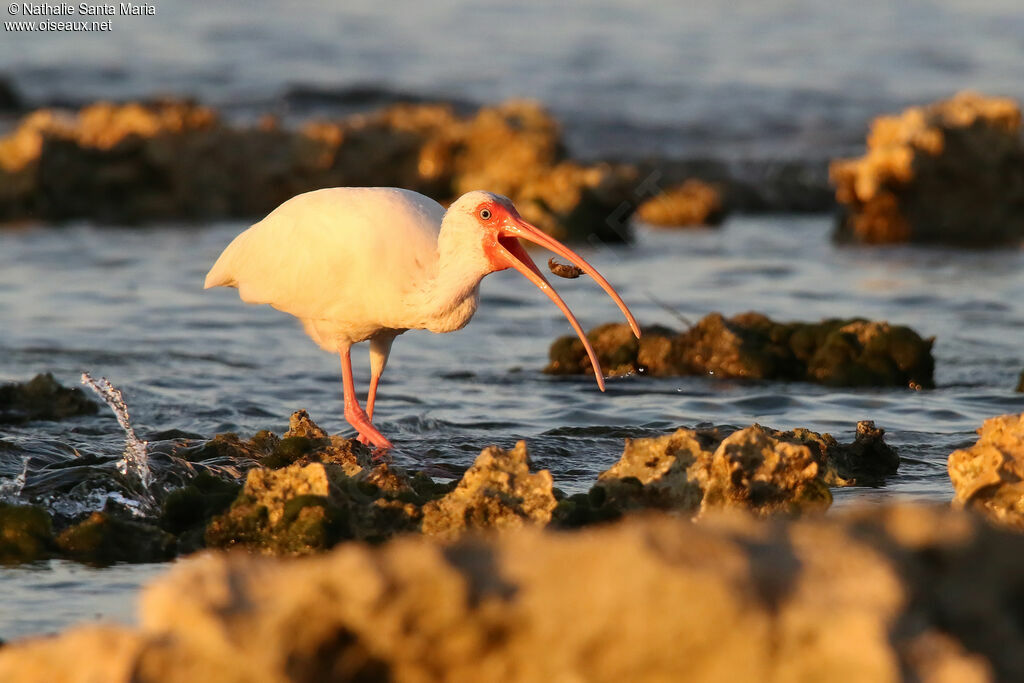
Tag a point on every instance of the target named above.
point(512, 254)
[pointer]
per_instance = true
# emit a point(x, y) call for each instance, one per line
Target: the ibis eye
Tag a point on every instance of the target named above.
point(485, 214)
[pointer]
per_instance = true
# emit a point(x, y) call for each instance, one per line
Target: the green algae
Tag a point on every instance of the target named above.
point(42, 398)
point(26, 534)
point(103, 539)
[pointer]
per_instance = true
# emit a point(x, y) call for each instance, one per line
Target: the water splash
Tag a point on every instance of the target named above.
point(135, 461)
point(11, 490)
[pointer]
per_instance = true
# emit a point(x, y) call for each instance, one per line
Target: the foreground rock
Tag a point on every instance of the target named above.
point(42, 398)
point(950, 172)
point(989, 476)
point(882, 595)
point(834, 352)
point(177, 160)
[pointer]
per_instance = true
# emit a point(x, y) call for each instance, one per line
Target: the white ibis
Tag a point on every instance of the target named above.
point(358, 264)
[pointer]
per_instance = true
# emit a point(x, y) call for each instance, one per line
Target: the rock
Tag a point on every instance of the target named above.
point(754, 471)
point(578, 203)
point(693, 202)
point(104, 539)
point(865, 462)
point(1020, 382)
point(188, 510)
point(885, 594)
point(951, 172)
point(42, 398)
point(498, 492)
point(9, 98)
point(695, 471)
point(832, 352)
point(306, 508)
point(173, 160)
point(989, 476)
point(26, 534)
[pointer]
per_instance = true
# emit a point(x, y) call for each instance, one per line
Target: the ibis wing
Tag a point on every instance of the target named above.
point(334, 253)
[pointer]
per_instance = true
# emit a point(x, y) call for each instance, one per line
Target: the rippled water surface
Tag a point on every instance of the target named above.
point(777, 77)
point(129, 305)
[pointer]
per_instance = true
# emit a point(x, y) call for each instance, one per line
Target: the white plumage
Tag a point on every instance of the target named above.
point(357, 264)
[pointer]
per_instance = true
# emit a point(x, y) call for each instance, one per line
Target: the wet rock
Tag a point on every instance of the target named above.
point(26, 534)
point(885, 594)
point(694, 471)
point(104, 539)
point(989, 476)
point(498, 492)
point(865, 462)
point(42, 398)
point(950, 172)
point(307, 508)
point(691, 203)
point(1020, 382)
point(833, 352)
point(754, 471)
point(187, 511)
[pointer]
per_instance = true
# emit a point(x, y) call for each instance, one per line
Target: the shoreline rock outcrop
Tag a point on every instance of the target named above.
point(834, 352)
point(879, 594)
point(174, 160)
point(950, 172)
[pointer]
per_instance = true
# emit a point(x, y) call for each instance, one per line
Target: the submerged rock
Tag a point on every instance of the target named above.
point(989, 476)
point(498, 492)
point(104, 539)
point(42, 398)
point(691, 203)
point(950, 172)
point(834, 352)
point(26, 534)
point(883, 594)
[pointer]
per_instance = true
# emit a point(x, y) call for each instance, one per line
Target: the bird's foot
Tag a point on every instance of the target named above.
point(375, 439)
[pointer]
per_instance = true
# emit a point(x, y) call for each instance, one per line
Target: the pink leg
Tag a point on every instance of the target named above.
point(353, 413)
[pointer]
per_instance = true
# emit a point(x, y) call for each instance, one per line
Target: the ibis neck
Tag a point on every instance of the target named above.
point(452, 293)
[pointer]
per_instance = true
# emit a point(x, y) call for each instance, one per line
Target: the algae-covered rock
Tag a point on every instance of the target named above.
point(752, 346)
point(498, 492)
point(103, 539)
point(42, 398)
point(657, 472)
point(989, 476)
point(693, 471)
point(26, 534)
point(691, 203)
point(305, 508)
point(950, 172)
point(754, 471)
point(881, 594)
point(186, 511)
point(305, 442)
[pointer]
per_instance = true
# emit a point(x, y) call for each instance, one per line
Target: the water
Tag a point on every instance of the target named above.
point(747, 78)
